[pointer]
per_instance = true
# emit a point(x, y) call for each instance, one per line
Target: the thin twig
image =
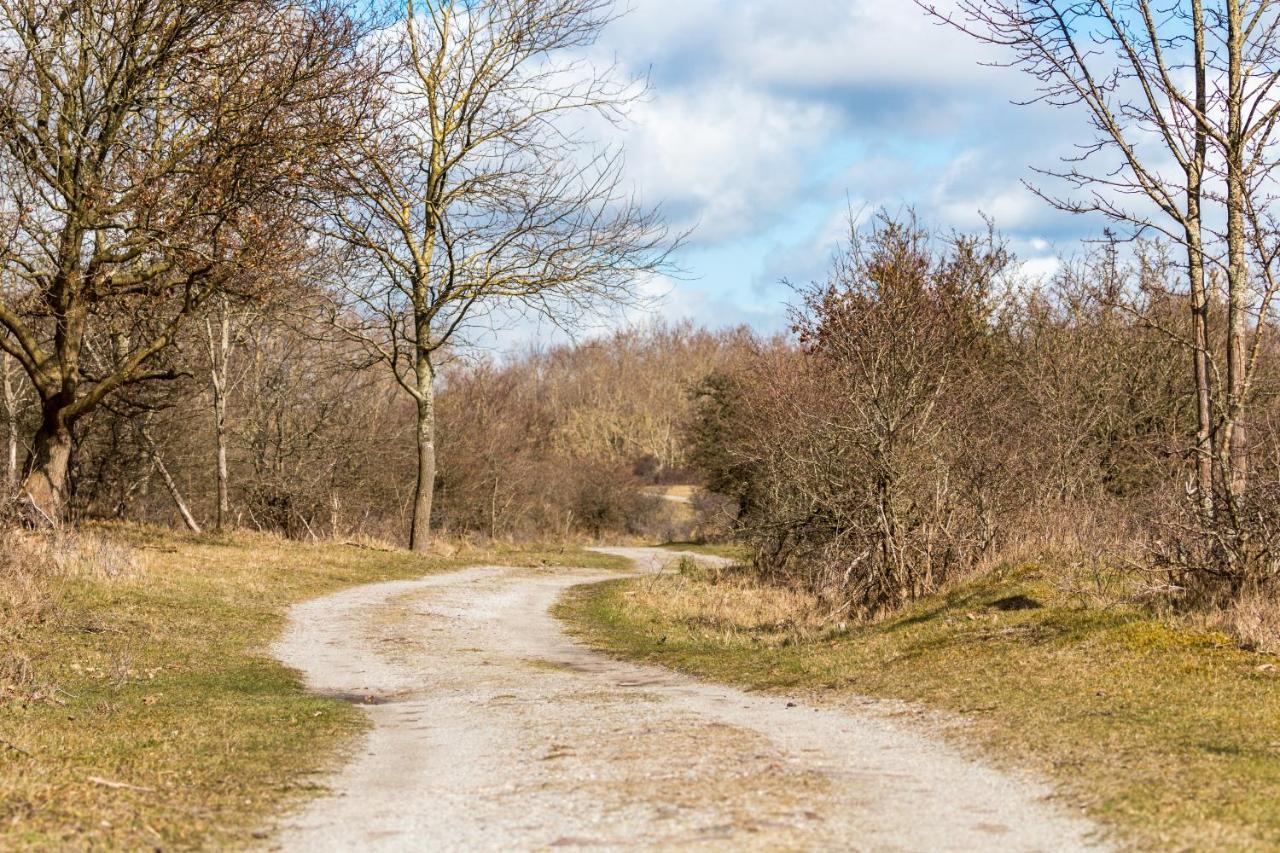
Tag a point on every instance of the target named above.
point(15, 748)
point(107, 783)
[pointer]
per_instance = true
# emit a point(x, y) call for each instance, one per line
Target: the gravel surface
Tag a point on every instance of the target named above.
point(494, 731)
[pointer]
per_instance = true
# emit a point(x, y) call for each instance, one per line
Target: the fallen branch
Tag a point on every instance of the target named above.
point(107, 783)
point(369, 547)
point(15, 748)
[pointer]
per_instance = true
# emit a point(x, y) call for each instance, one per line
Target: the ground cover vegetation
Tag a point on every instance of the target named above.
point(139, 703)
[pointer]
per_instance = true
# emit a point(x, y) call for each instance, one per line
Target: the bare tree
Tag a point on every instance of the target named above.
point(1181, 98)
point(474, 189)
point(157, 459)
point(225, 328)
point(150, 151)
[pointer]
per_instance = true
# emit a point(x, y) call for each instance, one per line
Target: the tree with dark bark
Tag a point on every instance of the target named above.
point(149, 155)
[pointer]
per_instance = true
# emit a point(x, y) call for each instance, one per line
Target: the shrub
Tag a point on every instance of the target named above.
point(856, 475)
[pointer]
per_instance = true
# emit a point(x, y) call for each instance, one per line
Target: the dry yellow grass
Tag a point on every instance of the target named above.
point(730, 601)
point(150, 714)
point(1164, 732)
point(1253, 618)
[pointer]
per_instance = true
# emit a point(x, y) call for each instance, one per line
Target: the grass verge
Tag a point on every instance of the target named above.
point(1168, 736)
point(156, 718)
point(728, 550)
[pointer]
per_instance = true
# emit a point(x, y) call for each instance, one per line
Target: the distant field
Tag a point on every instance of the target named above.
point(1165, 733)
point(159, 720)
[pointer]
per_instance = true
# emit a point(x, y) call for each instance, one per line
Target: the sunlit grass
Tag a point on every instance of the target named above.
point(156, 717)
point(1169, 735)
point(729, 550)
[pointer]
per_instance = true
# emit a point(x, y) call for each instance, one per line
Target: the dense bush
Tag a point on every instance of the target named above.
point(854, 467)
point(935, 405)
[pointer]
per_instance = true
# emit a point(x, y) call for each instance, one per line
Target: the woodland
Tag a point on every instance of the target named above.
point(251, 253)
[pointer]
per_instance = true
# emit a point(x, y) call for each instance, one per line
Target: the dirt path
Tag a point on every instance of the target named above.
point(493, 731)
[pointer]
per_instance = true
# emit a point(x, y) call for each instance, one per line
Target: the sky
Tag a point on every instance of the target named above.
point(764, 128)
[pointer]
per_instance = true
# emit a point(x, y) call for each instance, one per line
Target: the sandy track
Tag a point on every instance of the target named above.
point(494, 731)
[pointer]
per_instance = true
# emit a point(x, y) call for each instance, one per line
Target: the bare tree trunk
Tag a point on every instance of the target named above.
point(1235, 439)
point(219, 356)
point(493, 508)
point(11, 426)
point(220, 437)
point(1200, 371)
point(420, 532)
point(1195, 272)
point(174, 492)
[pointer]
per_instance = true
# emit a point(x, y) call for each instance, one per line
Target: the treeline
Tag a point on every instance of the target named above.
point(577, 438)
point(937, 413)
point(562, 441)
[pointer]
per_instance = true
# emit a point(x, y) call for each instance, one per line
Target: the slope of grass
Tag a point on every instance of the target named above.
point(157, 718)
point(1168, 735)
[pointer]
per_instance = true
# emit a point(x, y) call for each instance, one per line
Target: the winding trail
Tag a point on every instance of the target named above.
point(492, 730)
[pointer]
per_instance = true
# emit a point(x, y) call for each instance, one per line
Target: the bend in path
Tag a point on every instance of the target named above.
point(492, 730)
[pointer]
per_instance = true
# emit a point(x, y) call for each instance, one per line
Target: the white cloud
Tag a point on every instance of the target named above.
point(765, 120)
point(1040, 269)
point(860, 44)
point(725, 159)
point(832, 43)
point(748, 95)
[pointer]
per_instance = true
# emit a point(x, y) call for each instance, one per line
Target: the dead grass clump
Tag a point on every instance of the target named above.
point(735, 603)
point(25, 601)
point(32, 565)
point(1093, 548)
point(1068, 533)
point(66, 552)
point(1103, 556)
point(86, 555)
point(1252, 618)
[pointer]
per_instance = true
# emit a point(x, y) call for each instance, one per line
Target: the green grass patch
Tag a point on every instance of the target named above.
point(728, 550)
point(1168, 735)
point(157, 717)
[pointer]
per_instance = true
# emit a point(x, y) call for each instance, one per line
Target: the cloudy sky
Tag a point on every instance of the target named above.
point(764, 127)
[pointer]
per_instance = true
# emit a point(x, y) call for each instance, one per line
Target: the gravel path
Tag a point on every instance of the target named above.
point(494, 731)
